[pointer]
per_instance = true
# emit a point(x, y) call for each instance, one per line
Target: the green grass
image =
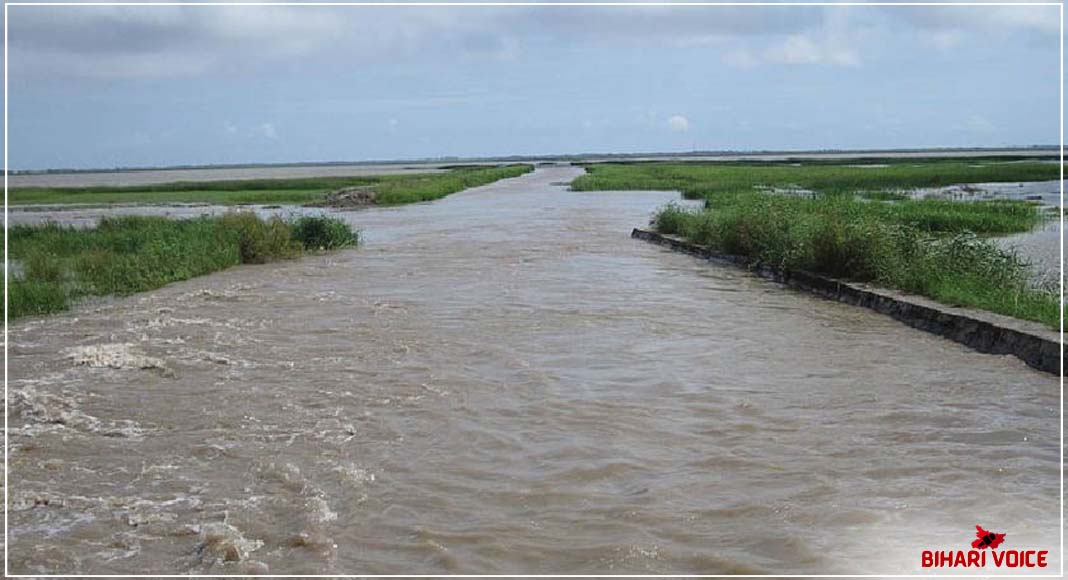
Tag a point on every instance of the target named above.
point(859, 226)
point(843, 237)
point(391, 189)
point(124, 255)
point(317, 233)
point(697, 180)
point(927, 215)
point(435, 186)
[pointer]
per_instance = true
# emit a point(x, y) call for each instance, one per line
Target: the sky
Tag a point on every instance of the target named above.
point(130, 86)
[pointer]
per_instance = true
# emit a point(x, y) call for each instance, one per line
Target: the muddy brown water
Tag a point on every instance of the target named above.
point(503, 381)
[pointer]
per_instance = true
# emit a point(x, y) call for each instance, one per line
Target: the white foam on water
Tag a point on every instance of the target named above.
point(219, 543)
point(45, 412)
point(115, 356)
point(354, 474)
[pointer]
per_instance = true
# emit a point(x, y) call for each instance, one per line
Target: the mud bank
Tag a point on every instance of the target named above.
point(982, 331)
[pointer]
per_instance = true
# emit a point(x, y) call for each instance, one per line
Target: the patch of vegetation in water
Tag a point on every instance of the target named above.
point(390, 189)
point(124, 255)
point(859, 225)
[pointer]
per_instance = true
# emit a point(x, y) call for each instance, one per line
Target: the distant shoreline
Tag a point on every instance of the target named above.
point(148, 176)
point(965, 151)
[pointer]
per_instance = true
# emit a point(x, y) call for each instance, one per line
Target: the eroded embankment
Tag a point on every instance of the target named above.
point(984, 332)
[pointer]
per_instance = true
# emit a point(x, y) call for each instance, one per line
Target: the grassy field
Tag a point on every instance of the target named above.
point(855, 227)
point(123, 255)
point(390, 189)
point(697, 180)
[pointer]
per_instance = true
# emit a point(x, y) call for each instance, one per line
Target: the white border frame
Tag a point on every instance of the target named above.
point(548, 4)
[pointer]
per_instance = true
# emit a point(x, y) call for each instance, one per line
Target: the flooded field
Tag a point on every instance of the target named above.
point(1044, 193)
point(504, 382)
point(1041, 247)
point(89, 216)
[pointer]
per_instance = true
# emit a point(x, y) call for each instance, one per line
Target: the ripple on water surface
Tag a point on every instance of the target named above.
point(503, 381)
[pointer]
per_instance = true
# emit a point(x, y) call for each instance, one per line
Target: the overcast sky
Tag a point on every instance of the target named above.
point(100, 86)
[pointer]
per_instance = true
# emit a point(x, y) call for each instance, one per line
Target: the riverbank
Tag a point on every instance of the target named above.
point(387, 189)
point(832, 220)
point(58, 265)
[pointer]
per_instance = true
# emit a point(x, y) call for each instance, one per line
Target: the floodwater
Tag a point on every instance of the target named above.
point(90, 216)
point(504, 382)
point(1044, 193)
point(1041, 247)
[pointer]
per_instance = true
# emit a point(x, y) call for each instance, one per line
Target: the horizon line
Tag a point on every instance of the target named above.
point(448, 159)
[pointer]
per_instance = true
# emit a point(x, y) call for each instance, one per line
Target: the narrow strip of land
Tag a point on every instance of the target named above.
point(383, 189)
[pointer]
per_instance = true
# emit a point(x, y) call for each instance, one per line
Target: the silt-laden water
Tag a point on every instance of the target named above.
point(504, 382)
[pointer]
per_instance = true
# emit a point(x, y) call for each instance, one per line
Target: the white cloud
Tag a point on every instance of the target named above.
point(678, 123)
point(798, 49)
point(942, 39)
point(181, 41)
point(982, 19)
point(268, 131)
point(833, 43)
point(802, 49)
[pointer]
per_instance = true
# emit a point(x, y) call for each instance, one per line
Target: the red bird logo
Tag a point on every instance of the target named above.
point(987, 539)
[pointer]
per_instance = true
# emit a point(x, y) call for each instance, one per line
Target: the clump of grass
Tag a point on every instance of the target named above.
point(984, 217)
point(26, 298)
point(323, 233)
point(123, 255)
point(915, 247)
point(259, 241)
point(671, 219)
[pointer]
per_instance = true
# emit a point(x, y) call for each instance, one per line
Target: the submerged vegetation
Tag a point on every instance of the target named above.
point(856, 225)
point(389, 189)
point(57, 265)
